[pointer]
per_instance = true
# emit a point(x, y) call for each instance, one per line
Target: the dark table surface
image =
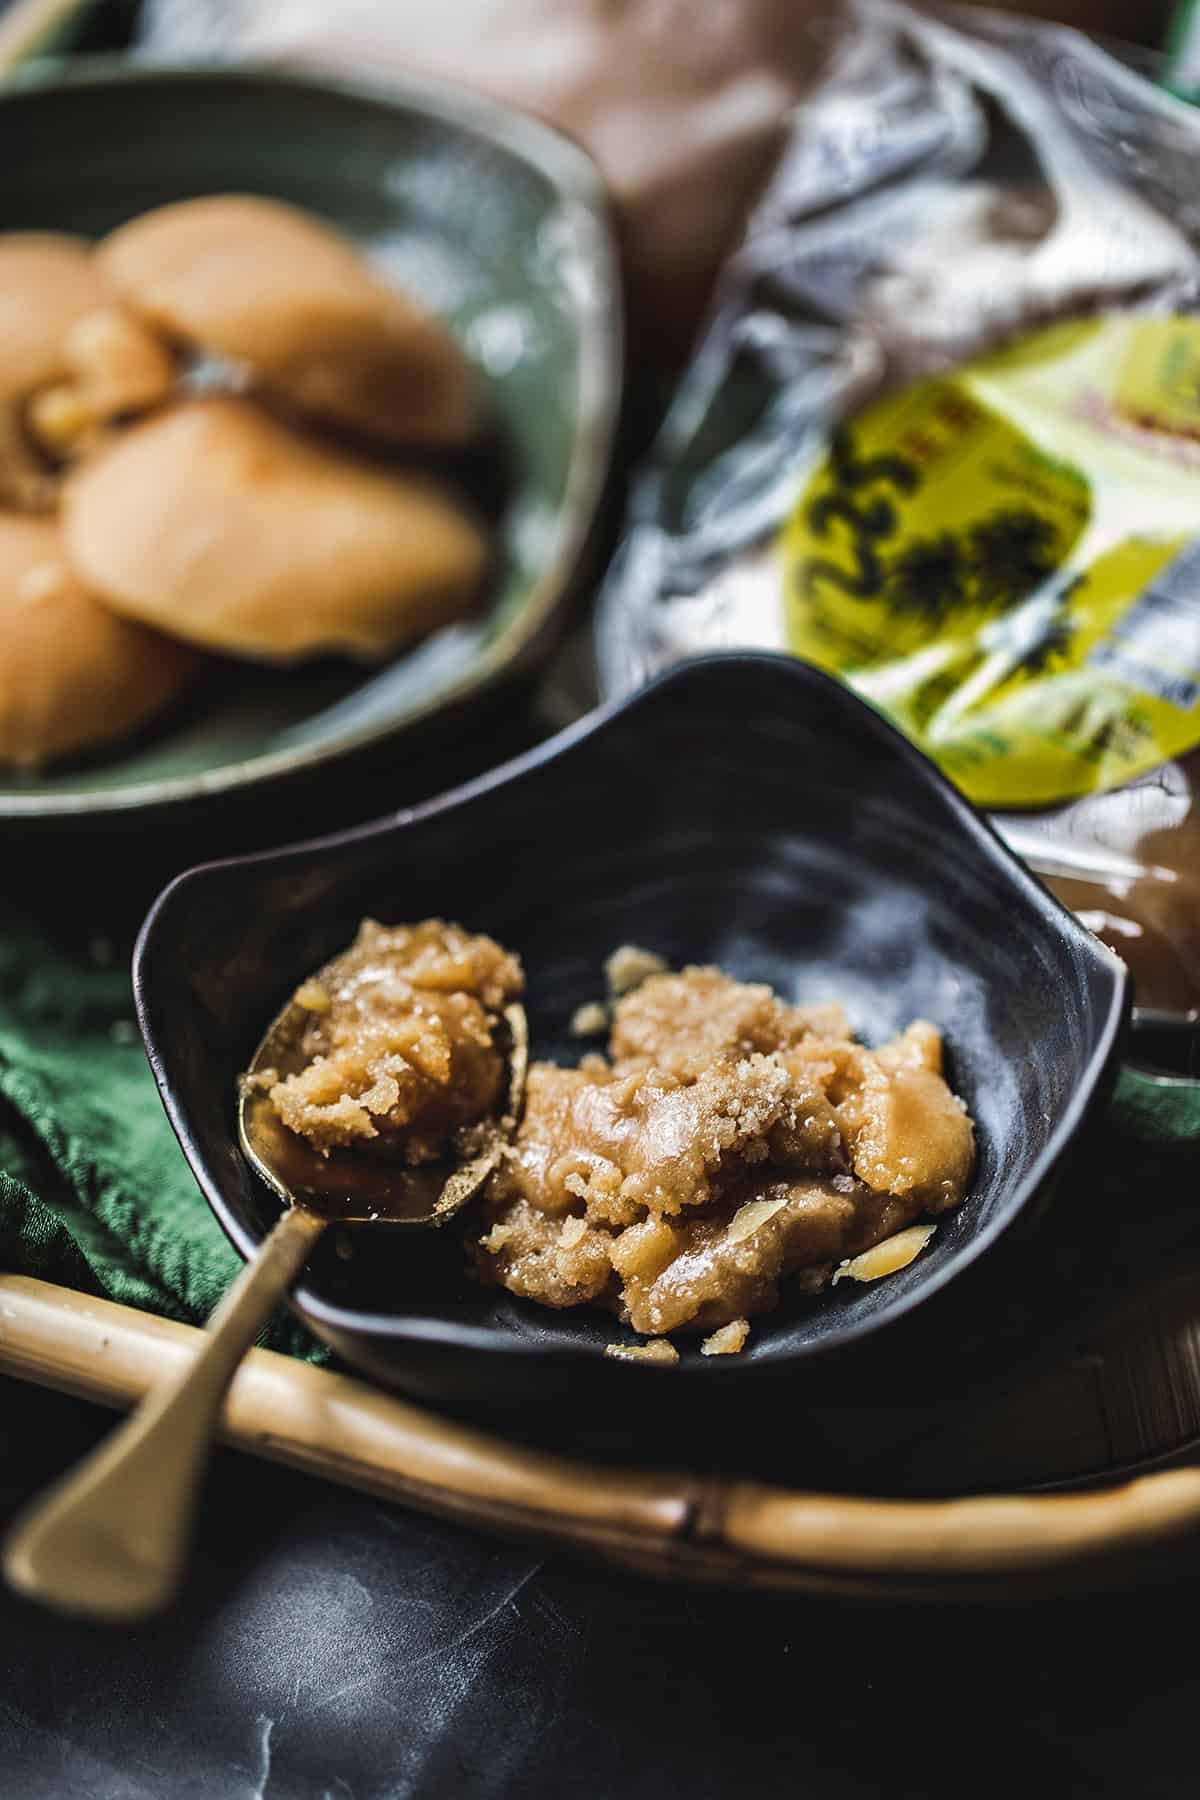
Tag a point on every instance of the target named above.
point(328, 1647)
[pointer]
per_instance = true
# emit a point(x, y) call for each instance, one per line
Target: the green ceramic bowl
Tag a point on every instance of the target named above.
point(497, 223)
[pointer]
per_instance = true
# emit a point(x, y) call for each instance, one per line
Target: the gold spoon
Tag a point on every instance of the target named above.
point(109, 1540)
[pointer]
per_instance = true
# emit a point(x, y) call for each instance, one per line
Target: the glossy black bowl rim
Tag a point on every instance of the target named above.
point(348, 1322)
point(600, 381)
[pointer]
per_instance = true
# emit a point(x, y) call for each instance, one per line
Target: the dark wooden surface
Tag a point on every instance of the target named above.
point(328, 1646)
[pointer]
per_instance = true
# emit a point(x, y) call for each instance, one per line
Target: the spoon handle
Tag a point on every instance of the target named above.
point(108, 1542)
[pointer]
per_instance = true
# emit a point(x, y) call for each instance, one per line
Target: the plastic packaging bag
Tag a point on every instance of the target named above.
point(942, 437)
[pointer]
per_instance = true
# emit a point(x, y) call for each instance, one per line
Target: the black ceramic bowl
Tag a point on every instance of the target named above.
point(744, 810)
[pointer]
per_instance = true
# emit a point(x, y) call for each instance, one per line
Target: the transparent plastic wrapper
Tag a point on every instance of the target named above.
point(942, 438)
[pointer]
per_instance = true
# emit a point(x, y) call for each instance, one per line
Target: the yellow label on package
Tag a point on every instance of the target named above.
point(1006, 560)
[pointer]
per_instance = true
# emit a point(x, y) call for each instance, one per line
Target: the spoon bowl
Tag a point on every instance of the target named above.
point(364, 1190)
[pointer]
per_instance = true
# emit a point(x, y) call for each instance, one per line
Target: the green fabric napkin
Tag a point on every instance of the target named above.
point(95, 1192)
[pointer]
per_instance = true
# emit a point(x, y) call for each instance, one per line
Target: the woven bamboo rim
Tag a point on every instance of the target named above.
point(674, 1524)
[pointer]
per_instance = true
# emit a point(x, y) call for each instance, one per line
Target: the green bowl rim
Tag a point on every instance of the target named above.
point(578, 182)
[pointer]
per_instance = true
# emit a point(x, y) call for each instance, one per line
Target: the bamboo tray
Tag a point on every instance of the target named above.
point(1132, 1397)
